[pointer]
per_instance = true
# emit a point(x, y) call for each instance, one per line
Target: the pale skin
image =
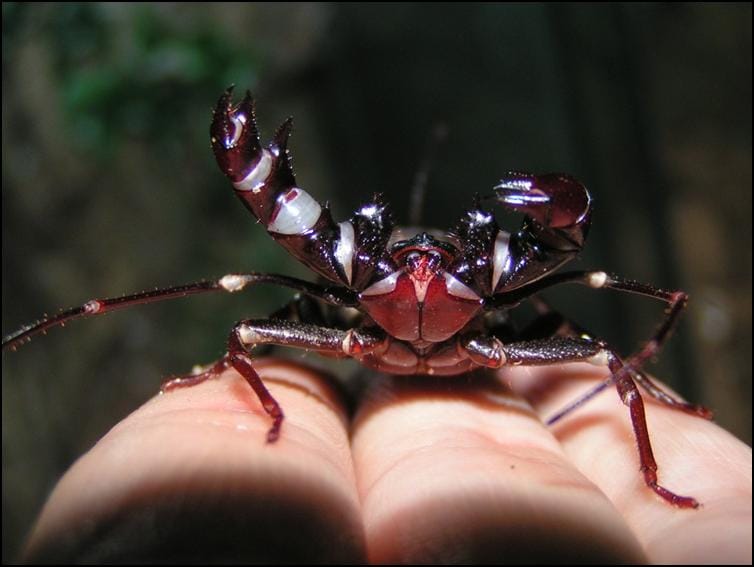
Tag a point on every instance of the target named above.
point(431, 470)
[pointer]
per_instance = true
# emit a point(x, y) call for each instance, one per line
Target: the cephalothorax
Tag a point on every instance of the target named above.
point(419, 302)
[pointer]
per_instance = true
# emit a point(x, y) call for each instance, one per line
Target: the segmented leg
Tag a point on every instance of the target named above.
point(248, 334)
point(228, 283)
point(239, 359)
point(630, 396)
point(676, 301)
point(552, 322)
point(199, 375)
point(664, 397)
point(595, 279)
point(252, 333)
point(490, 352)
point(290, 311)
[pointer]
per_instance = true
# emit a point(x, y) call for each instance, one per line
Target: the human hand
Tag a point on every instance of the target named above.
point(438, 470)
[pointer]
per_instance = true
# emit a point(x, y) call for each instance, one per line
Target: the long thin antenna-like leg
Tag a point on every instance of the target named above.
point(228, 283)
point(580, 401)
point(595, 279)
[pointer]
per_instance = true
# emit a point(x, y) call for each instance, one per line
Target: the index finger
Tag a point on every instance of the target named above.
point(190, 477)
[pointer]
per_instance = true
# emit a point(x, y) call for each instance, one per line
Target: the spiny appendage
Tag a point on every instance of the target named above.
point(559, 205)
point(234, 135)
point(24, 335)
point(198, 375)
point(555, 200)
point(262, 177)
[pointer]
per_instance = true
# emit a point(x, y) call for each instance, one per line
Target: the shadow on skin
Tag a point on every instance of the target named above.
point(482, 389)
point(486, 530)
point(230, 518)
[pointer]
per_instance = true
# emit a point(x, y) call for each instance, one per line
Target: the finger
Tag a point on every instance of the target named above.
point(190, 477)
point(695, 458)
point(456, 469)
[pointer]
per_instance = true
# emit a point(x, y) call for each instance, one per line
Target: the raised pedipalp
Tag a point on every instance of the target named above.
point(555, 200)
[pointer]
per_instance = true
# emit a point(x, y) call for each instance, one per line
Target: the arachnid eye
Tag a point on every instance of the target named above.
point(434, 260)
point(413, 261)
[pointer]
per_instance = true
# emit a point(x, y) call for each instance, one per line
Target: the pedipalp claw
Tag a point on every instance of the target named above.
point(282, 134)
point(235, 136)
point(554, 200)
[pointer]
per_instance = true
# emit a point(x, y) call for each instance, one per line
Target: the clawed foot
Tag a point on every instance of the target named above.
point(198, 375)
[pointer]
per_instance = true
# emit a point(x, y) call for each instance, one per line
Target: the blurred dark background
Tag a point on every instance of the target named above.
point(109, 185)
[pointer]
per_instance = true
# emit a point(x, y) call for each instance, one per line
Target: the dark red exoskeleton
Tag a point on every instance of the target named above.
point(412, 302)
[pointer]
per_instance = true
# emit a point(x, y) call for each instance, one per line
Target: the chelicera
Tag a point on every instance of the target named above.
point(422, 302)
